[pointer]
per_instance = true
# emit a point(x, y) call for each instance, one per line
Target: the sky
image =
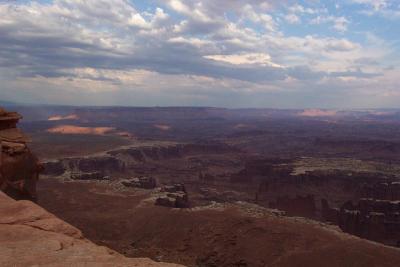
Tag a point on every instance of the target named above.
point(221, 53)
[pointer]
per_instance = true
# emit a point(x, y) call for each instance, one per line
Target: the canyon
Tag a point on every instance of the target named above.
point(212, 187)
point(30, 235)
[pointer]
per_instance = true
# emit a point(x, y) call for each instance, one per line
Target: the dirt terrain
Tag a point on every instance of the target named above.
point(217, 235)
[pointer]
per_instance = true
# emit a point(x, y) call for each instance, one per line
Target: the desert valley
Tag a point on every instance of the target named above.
point(224, 187)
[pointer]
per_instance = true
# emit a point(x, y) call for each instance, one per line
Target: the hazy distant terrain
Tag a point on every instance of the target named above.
point(307, 163)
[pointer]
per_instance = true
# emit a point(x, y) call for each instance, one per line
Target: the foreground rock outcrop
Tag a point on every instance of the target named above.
point(30, 236)
point(19, 168)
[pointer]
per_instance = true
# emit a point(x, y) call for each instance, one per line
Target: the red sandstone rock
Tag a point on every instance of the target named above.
point(19, 168)
point(175, 196)
point(30, 236)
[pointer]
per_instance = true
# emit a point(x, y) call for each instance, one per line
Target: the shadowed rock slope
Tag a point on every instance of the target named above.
point(30, 236)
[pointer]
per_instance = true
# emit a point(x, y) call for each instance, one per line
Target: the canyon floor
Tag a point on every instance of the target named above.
point(236, 234)
point(261, 187)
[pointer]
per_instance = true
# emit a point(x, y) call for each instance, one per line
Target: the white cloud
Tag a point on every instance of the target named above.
point(245, 59)
point(301, 9)
point(195, 11)
point(196, 42)
point(375, 4)
point(387, 9)
point(264, 19)
point(206, 48)
point(339, 23)
point(292, 19)
point(177, 5)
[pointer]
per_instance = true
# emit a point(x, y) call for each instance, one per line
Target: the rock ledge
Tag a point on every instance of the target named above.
point(31, 236)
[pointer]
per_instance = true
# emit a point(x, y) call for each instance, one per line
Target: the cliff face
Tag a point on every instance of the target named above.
point(19, 168)
point(373, 219)
point(30, 236)
point(122, 159)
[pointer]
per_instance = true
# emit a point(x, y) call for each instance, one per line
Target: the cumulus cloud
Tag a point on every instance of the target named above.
point(339, 23)
point(74, 51)
point(375, 4)
point(292, 18)
point(261, 59)
point(385, 8)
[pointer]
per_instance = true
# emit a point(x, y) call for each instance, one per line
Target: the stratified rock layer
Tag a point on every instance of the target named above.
point(30, 236)
point(19, 168)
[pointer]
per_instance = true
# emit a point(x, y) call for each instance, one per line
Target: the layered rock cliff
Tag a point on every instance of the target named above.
point(19, 168)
